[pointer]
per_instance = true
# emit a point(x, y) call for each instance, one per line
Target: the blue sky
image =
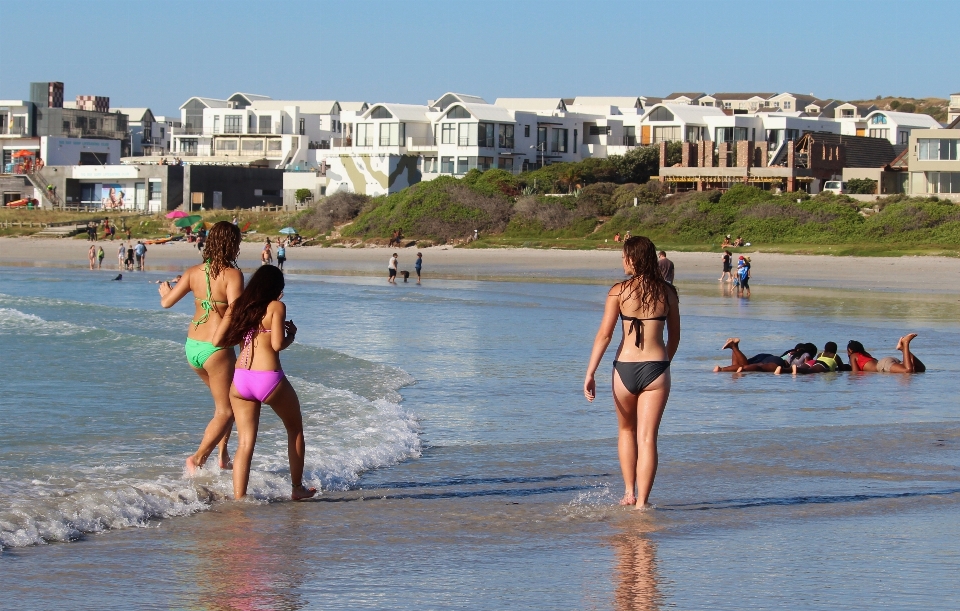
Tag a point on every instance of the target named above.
point(158, 54)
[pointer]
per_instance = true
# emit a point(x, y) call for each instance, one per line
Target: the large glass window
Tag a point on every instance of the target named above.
point(252, 145)
point(485, 135)
point(541, 138)
point(878, 120)
point(731, 134)
point(630, 135)
point(264, 123)
point(693, 133)
point(559, 143)
point(506, 137)
point(232, 124)
point(216, 124)
point(484, 163)
point(392, 134)
point(448, 133)
point(943, 182)
point(226, 145)
point(380, 113)
point(463, 165)
point(467, 134)
point(936, 149)
point(446, 165)
point(429, 165)
point(666, 134)
point(505, 163)
point(879, 133)
point(364, 134)
point(661, 114)
point(600, 130)
point(458, 112)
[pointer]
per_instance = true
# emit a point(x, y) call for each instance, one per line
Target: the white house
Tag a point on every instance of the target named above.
point(896, 126)
point(140, 122)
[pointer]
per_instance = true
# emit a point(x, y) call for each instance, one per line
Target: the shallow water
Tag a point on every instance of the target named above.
point(460, 465)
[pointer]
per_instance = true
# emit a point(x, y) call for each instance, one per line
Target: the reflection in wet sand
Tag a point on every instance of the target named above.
point(244, 568)
point(637, 587)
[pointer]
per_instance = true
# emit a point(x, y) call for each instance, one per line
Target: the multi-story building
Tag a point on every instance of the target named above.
point(934, 163)
point(140, 132)
point(895, 126)
point(953, 111)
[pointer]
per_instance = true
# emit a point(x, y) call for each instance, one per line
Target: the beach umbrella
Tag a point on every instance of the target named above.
point(23, 154)
point(187, 220)
point(288, 230)
point(176, 214)
point(198, 226)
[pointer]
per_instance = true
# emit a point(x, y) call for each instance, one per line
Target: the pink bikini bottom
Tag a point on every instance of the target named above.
point(256, 385)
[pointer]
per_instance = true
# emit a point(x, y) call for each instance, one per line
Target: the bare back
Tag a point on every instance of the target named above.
point(209, 308)
point(642, 324)
point(263, 353)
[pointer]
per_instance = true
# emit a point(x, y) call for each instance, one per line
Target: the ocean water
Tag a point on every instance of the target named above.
point(459, 464)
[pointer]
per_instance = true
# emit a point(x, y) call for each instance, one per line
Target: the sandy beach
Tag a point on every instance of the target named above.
point(923, 274)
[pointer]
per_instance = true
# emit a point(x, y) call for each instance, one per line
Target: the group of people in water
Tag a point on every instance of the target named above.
point(804, 358)
point(252, 317)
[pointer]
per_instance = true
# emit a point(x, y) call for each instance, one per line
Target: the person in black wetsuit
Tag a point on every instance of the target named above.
point(645, 304)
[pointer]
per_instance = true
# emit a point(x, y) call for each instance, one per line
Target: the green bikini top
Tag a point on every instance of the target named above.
point(206, 304)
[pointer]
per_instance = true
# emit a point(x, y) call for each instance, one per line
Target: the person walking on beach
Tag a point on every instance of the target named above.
point(215, 284)
point(743, 276)
point(418, 265)
point(392, 269)
point(727, 259)
point(646, 305)
point(100, 256)
point(281, 254)
point(666, 267)
point(266, 255)
point(258, 321)
point(121, 255)
point(92, 255)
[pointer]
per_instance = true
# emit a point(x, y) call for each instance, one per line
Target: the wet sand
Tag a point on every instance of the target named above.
point(922, 274)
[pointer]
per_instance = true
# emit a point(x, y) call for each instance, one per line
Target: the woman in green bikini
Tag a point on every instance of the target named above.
point(215, 284)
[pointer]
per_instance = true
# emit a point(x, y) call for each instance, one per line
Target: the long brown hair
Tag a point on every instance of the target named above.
point(248, 310)
point(647, 283)
point(222, 247)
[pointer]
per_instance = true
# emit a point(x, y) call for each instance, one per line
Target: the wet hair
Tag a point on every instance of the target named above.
point(857, 348)
point(222, 247)
point(810, 349)
point(830, 347)
point(647, 283)
point(248, 310)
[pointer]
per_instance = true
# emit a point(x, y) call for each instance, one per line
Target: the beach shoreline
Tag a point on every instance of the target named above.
point(924, 274)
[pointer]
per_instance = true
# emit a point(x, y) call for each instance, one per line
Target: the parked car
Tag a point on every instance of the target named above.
point(835, 186)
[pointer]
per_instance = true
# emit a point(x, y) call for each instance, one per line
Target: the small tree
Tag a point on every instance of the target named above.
point(302, 195)
point(894, 104)
point(908, 107)
point(862, 186)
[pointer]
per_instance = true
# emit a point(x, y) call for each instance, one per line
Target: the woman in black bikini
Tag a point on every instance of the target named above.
point(645, 304)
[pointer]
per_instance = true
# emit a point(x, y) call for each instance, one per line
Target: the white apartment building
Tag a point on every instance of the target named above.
point(890, 125)
point(140, 122)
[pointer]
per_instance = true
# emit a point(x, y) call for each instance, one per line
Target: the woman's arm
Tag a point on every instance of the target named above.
point(169, 296)
point(673, 324)
point(234, 284)
point(222, 328)
point(610, 312)
point(282, 331)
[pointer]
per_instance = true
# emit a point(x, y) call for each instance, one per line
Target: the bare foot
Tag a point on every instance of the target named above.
point(628, 499)
point(733, 341)
point(226, 465)
point(739, 369)
point(645, 507)
point(302, 492)
point(716, 369)
point(776, 371)
point(794, 368)
point(190, 466)
point(906, 338)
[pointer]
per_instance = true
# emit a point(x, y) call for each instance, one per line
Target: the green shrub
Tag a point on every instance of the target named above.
point(908, 107)
point(333, 210)
point(863, 186)
point(301, 195)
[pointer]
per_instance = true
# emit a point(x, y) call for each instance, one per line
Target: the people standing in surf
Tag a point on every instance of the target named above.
point(418, 265)
point(392, 269)
point(645, 304)
point(266, 255)
point(861, 360)
point(121, 255)
point(258, 321)
point(100, 256)
point(92, 255)
point(727, 274)
point(215, 284)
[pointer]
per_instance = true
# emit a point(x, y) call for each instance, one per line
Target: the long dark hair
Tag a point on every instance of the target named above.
point(647, 283)
point(222, 247)
point(248, 310)
point(857, 348)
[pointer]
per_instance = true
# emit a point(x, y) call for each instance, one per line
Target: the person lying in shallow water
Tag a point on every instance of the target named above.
point(828, 360)
point(861, 360)
point(769, 363)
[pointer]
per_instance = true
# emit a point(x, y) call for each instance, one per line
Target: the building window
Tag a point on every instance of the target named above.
point(364, 134)
point(943, 182)
point(559, 144)
point(458, 112)
point(726, 104)
point(252, 145)
point(630, 135)
point(463, 165)
point(878, 120)
point(156, 189)
point(446, 165)
point(392, 134)
point(448, 133)
point(429, 165)
point(661, 114)
point(666, 134)
point(505, 139)
point(484, 163)
point(231, 124)
point(485, 135)
point(575, 134)
point(265, 123)
point(879, 133)
point(505, 163)
point(188, 145)
point(730, 134)
point(467, 134)
point(303, 126)
point(604, 130)
point(226, 145)
point(541, 138)
point(933, 149)
point(846, 113)
point(380, 113)
point(786, 105)
point(526, 131)
point(693, 134)
point(274, 144)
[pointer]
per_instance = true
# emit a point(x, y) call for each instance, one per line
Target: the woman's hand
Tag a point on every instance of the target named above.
point(290, 329)
point(164, 289)
point(590, 388)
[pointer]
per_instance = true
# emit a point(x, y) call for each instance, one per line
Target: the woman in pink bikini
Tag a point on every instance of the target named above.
point(257, 321)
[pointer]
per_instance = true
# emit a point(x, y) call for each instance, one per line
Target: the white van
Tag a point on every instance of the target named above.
point(835, 186)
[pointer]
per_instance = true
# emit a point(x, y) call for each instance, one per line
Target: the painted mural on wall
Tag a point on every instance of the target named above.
point(371, 174)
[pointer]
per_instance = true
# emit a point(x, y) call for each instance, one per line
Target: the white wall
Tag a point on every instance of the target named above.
point(66, 151)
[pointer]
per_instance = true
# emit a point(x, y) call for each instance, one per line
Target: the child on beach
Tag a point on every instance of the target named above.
point(216, 283)
point(257, 320)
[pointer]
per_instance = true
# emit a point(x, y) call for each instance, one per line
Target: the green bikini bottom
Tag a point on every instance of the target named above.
point(198, 352)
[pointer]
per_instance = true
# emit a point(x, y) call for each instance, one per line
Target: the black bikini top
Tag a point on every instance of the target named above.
point(638, 321)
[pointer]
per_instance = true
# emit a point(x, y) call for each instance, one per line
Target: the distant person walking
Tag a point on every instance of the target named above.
point(100, 256)
point(92, 255)
point(281, 254)
point(418, 265)
point(727, 259)
point(138, 254)
point(743, 276)
point(392, 269)
point(121, 255)
point(129, 261)
point(666, 267)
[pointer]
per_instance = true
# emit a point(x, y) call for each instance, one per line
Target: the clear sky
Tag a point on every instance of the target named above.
point(158, 54)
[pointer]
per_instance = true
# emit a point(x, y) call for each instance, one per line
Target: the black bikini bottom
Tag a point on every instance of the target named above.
point(637, 375)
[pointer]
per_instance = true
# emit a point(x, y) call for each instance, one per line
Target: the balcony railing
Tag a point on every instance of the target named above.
point(13, 131)
point(342, 142)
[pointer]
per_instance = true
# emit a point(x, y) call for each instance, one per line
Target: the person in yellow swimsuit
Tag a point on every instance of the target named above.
point(215, 284)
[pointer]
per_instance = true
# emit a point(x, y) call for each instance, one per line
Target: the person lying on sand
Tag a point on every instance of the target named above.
point(828, 360)
point(861, 360)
